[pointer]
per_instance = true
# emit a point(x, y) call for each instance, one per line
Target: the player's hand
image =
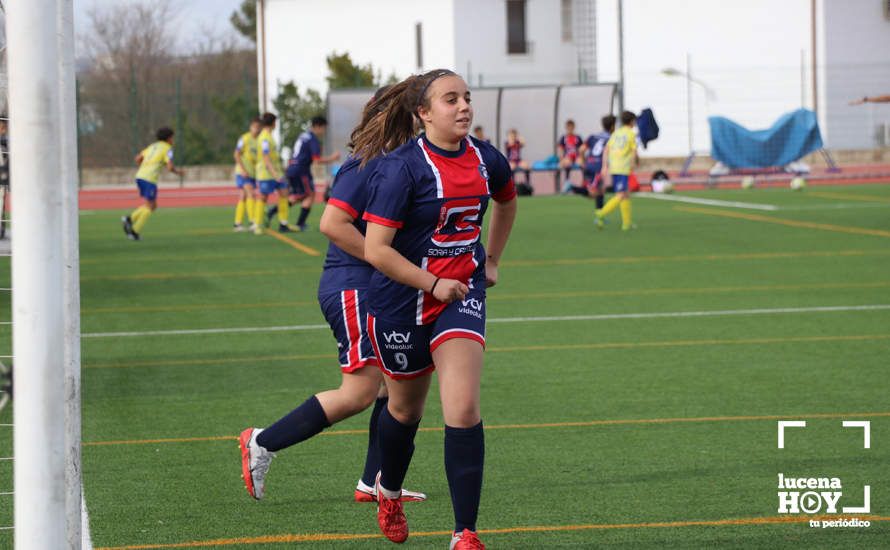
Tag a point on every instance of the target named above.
point(858, 101)
point(449, 290)
point(491, 273)
point(336, 155)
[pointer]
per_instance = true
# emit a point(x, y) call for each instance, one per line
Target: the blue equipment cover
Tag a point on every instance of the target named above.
point(793, 136)
point(549, 163)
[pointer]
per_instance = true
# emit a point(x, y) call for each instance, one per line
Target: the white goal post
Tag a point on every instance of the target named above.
point(45, 282)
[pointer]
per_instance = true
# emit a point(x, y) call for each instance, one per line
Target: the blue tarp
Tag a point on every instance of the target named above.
point(793, 136)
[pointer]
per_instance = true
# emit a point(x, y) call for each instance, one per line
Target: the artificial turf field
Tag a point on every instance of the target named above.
point(602, 431)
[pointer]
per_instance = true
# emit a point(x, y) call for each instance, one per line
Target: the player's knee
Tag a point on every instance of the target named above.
point(463, 415)
point(406, 413)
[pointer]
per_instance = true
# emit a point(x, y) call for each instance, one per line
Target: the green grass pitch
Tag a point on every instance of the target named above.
point(651, 431)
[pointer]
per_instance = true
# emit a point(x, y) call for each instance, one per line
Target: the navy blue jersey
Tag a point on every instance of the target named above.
point(596, 144)
point(436, 200)
point(570, 144)
point(349, 193)
point(306, 149)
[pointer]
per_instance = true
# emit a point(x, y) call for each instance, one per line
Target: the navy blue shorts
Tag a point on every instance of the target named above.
point(241, 181)
point(346, 313)
point(406, 351)
point(619, 183)
point(268, 187)
point(301, 185)
point(147, 189)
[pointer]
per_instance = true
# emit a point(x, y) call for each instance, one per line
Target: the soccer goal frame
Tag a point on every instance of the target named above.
point(45, 279)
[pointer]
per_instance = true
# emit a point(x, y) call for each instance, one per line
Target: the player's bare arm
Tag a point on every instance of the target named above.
point(337, 225)
point(502, 216)
point(380, 253)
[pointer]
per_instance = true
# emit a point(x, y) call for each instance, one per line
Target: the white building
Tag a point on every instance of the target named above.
point(750, 61)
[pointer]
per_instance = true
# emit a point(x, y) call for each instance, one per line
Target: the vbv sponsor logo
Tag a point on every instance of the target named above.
point(397, 337)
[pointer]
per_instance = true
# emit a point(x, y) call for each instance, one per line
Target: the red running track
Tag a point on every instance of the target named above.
point(184, 197)
point(188, 197)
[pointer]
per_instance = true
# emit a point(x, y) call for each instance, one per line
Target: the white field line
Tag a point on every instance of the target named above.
point(709, 202)
point(600, 317)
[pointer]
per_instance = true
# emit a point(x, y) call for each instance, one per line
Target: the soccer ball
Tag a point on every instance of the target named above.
point(662, 186)
point(747, 182)
point(798, 183)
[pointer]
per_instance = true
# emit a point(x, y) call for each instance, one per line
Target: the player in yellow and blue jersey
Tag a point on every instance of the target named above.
point(151, 161)
point(245, 173)
point(269, 176)
point(619, 159)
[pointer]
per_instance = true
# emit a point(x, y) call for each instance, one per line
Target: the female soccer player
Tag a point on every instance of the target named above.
point(306, 153)
point(592, 151)
point(245, 173)
point(619, 159)
point(269, 176)
point(342, 293)
point(150, 160)
point(567, 148)
point(427, 298)
point(514, 146)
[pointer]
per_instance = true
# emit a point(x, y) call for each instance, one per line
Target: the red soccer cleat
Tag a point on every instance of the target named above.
point(365, 493)
point(391, 517)
point(466, 540)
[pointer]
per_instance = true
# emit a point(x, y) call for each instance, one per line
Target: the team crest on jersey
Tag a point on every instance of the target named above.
point(483, 171)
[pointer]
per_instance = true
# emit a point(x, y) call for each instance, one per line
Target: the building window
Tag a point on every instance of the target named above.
point(516, 42)
point(566, 19)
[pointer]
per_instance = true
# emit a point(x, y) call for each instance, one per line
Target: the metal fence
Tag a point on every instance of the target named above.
point(116, 119)
point(537, 112)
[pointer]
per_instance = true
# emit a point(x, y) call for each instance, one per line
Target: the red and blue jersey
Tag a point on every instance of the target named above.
point(343, 271)
point(436, 200)
point(306, 149)
point(596, 144)
point(514, 151)
point(570, 144)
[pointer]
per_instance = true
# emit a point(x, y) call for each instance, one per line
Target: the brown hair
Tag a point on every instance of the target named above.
point(388, 119)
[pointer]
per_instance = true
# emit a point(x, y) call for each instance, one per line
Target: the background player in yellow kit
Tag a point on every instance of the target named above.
point(619, 158)
point(151, 160)
point(269, 175)
point(245, 173)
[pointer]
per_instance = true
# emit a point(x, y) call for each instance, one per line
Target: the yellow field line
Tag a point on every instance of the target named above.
point(695, 258)
point(193, 307)
point(685, 343)
point(329, 537)
point(578, 424)
point(847, 196)
point(192, 275)
point(782, 221)
point(299, 246)
point(517, 263)
point(216, 361)
point(520, 263)
point(514, 296)
point(685, 290)
point(511, 349)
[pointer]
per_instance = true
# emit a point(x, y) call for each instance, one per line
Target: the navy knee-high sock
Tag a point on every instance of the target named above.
point(372, 459)
point(464, 460)
point(304, 213)
point(599, 202)
point(298, 425)
point(396, 449)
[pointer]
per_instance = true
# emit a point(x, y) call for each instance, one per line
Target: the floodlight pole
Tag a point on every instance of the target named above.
point(37, 32)
point(689, 98)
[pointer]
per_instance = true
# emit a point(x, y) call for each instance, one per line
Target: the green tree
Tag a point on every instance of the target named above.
point(295, 111)
point(244, 20)
point(346, 74)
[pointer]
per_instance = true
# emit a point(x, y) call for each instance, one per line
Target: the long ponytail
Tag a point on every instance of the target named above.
point(388, 120)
